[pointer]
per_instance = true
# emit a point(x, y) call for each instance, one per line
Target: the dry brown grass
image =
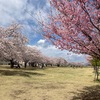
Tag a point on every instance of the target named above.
point(45, 84)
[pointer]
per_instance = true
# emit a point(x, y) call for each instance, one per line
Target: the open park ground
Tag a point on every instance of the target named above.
point(53, 83)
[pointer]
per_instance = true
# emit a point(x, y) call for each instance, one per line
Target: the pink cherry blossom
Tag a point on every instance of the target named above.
point(75, 26)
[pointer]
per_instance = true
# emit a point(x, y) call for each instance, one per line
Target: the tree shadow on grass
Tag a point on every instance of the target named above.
point(88, 93)
point(28, 68)
point(19, 73)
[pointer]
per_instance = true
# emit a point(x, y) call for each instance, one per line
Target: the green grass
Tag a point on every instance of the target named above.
point(46, 84)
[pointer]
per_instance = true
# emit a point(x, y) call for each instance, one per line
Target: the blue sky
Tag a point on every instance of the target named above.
point(16, 11)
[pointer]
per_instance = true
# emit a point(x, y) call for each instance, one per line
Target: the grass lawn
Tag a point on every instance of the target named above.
point(48, 84)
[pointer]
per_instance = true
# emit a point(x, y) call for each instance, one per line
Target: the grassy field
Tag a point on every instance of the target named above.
point(48, 84)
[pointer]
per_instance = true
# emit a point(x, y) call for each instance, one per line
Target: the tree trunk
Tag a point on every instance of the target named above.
point(42, 65)
point(18, 65)
point(96, 73)
point(58, 65)
point(25, 64)
point(12, 63)
point(33, 64)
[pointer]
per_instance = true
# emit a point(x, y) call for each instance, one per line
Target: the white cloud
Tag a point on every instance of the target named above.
point(11, 10)
point(41, 41)
point(17, 11)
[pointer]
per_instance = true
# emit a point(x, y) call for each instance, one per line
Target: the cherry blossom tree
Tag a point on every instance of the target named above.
point(32, 55)
point(59, 61)
point(49, 61)
point(74, 25)
point(11, 43)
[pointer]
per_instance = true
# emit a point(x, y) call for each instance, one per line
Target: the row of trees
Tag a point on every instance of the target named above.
point(14, 48)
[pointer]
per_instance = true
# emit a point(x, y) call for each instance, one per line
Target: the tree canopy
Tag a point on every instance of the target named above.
point(74, 25)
